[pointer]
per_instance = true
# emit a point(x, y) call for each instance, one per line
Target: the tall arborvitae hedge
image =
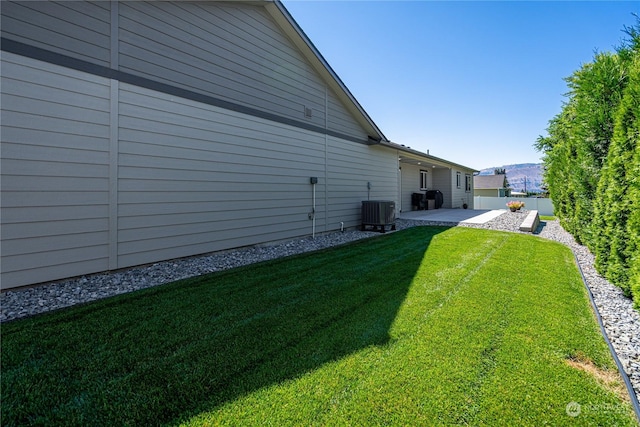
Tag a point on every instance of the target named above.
point(613, 245)
point(596, 90)
point(633, 225)
point(592, 160)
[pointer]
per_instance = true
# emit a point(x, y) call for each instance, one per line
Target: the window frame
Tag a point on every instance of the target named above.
point(458, 180)
point(424, 179)
point(467, 183)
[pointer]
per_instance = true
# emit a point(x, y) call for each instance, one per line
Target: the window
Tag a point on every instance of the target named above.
point(467, 183)
point(423, 180)
point(458, 180)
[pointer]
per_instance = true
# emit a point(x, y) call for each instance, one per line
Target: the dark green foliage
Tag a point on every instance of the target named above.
point(589, 160)
point(614, 248)
point(633, 226)
point(633, 181)
point(559, 158)
point(597, 91)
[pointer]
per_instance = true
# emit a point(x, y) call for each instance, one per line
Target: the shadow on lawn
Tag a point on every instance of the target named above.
point(167, 353)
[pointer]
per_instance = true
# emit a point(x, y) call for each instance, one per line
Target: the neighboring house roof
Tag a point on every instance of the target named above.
point(286, 22)
point(489, 182)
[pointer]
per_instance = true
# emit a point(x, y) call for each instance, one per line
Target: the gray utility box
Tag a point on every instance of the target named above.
point(378, 214)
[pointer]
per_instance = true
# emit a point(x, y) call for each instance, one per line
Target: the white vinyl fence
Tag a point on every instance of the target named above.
point(543, 206)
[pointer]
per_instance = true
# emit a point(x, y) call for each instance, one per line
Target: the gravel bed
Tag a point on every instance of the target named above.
point(621, 321)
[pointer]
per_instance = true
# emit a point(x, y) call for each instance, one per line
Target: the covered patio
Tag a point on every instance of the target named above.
point(421, 172)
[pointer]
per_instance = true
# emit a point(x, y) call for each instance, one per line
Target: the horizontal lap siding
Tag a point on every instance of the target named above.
point(442, 181)
point(339, 119)
point(55, 173)
point(191, 178)
point(460, 195)
point(233, 52)
point(349, 167)
point(410, 184)
point(195, 178)
point(77, 29)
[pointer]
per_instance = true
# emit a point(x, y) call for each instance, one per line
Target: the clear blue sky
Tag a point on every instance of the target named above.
point(472, 82)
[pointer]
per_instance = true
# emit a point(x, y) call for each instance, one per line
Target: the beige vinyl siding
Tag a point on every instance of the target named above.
point(411, 184)
point(339, 119)
point(55, 174)
point(233, 52)
point(195, 178)
point(442, 181)
point(349, 167)
point(77, 29)
point(230, 51)
point(458, 195)
point(100, 174)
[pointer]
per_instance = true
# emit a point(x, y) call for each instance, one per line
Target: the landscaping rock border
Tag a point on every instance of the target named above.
point(621, 321)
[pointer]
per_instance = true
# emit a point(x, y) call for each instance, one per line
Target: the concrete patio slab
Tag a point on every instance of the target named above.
point(485, 217)
point(453, 216)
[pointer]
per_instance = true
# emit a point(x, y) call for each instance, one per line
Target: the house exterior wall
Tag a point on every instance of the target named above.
point(55, 171)
point(350, 167)
point(445, 180)
point(195, 178)
point(80, 30)
point(459, 194)
point(442, 181)
point(232, 52)
point(339, 120)
point(411, 183)
point(115, 160)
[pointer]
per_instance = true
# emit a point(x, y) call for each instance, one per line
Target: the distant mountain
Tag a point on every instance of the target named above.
point(518, 174)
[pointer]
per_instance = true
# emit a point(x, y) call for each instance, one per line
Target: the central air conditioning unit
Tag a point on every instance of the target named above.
point(378, 214)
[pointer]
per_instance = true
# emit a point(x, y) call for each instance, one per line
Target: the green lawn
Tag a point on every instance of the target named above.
point(428, 325)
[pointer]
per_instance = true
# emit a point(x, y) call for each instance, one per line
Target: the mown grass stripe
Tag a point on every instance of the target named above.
point(428, 325)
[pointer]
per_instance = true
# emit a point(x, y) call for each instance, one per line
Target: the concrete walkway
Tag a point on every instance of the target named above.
point(454, 216)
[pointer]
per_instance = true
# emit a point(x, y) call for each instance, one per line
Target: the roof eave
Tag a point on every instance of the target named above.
point(426, 156)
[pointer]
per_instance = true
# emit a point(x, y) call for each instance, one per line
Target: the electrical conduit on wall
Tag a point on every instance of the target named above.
point(312, 215)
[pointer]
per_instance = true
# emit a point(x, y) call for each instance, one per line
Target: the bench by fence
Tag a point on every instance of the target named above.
point(531, 222)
